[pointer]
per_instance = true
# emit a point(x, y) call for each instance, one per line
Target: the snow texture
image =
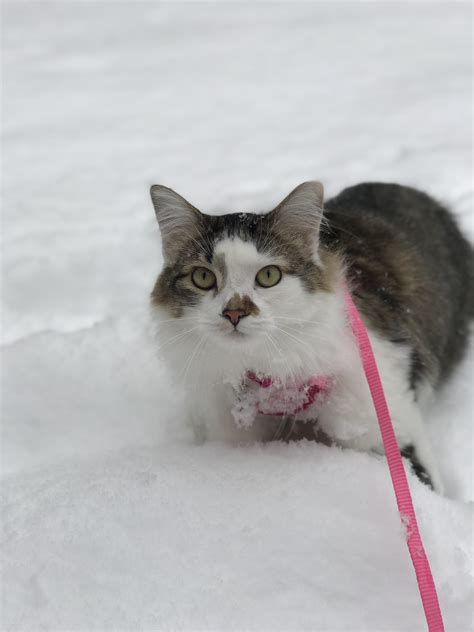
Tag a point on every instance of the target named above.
point(112, 518)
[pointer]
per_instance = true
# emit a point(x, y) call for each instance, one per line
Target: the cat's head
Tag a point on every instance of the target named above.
point(245, 281)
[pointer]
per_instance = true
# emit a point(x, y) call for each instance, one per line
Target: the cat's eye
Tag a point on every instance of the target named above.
point(268, 276)
point(203, 278)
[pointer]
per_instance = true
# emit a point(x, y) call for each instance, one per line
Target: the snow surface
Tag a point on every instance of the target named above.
point(112, 518)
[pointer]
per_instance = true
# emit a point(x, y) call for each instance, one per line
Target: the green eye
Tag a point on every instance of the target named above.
point(203, 278)
point(268, 276)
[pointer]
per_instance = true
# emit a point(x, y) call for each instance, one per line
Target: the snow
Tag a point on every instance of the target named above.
point(112, 518)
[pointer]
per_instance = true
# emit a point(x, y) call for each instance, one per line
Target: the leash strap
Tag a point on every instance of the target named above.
point(424, 577)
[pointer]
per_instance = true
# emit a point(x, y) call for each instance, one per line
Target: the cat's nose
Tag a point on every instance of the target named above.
point(234, 315)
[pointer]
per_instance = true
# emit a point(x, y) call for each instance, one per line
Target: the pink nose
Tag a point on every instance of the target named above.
point(234, 315)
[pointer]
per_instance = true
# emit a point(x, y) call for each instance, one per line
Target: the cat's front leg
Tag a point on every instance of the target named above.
point(212, 419)
point(198, 426)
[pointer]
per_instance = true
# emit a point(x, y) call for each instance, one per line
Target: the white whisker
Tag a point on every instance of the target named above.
point(297, 320)
point(193, 355)
point(295, 338)
point(175, 338)
point(177, 320)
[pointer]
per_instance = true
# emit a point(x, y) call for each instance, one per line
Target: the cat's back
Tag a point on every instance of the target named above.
point(410, 266)
point(416, 214)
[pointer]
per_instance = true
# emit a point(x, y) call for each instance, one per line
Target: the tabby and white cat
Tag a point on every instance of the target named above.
point(250, 307)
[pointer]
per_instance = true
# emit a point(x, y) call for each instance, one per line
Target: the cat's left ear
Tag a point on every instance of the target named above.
point(299, 215)
point(179, 221)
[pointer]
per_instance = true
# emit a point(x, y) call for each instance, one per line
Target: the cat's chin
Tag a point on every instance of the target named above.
point(235, 338)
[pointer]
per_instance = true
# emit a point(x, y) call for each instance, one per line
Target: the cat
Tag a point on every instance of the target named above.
point(252, 321)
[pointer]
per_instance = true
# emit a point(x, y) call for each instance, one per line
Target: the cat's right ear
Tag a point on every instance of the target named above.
point(298, 217)
point(178, 219)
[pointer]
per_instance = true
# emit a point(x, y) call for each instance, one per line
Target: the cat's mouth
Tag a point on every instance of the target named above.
point(239, 333)
point(236, 333)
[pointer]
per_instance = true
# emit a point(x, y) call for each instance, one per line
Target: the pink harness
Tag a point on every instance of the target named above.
point(290, 401)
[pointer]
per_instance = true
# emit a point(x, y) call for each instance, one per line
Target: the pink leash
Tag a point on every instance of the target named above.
point(424, 577)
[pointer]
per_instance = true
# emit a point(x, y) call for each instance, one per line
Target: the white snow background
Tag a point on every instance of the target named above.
point(112, 517)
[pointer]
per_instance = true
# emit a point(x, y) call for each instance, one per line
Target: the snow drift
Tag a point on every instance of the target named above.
point(112, 518)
